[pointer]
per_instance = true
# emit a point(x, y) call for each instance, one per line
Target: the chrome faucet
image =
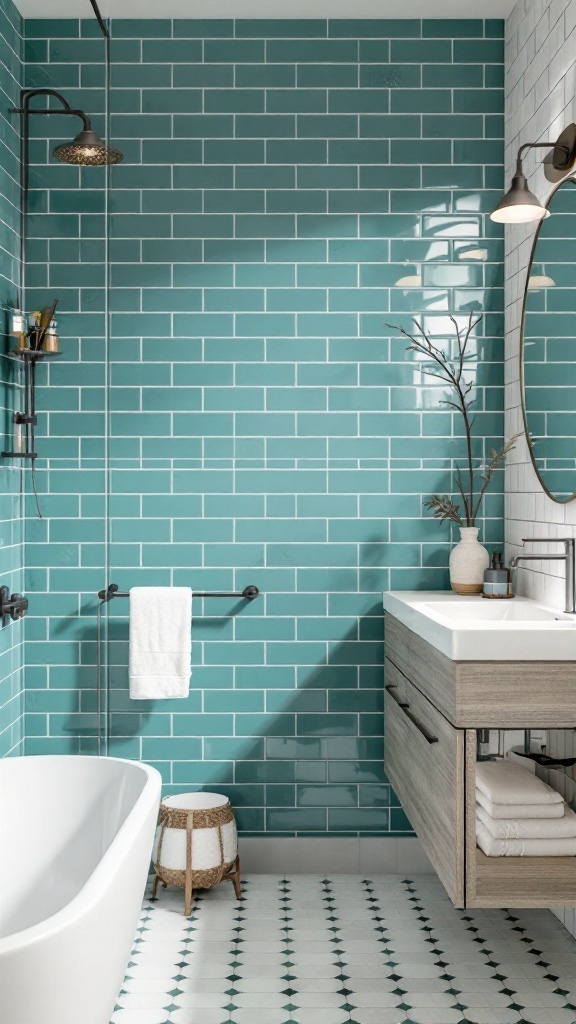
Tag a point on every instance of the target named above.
point(567, 558)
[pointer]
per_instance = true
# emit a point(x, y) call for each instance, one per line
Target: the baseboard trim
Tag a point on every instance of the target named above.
point(567, 915)
point(302, 856)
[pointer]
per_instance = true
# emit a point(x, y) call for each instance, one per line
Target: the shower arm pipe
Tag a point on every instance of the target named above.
point(100, 19)
point(25, 110)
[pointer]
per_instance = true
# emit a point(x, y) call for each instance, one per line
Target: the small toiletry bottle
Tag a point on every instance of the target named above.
point(51, 338)
point(496, 578)
point(18, 439)
point(19, 327)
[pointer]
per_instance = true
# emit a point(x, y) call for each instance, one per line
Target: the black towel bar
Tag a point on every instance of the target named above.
point(249, 593)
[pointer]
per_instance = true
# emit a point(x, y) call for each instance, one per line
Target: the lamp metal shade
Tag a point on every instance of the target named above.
point(519, 205)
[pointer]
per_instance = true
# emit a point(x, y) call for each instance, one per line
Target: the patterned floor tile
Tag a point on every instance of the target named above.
point(372, 1015)
point(549, 1016)
point(265, 984)
point(320, 1016)
point(202, 1016)
point(139, 1016)
point(248, 1017)
point(316, 984)
point(305, 971)
point(434, 1015)
point(371, 998)
point(481, 1016)
point(197, 999)
point(345, 950)
point(144, 999)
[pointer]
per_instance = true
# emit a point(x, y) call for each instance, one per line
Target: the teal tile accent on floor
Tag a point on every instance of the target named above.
point(11, 506)
point(288, 189)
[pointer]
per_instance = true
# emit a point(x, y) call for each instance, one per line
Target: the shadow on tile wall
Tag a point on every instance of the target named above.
point(288, 189)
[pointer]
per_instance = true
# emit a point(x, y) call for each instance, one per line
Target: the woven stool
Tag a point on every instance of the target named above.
point(196, 844)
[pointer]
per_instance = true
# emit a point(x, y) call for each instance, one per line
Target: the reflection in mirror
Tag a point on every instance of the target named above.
point(548, 349)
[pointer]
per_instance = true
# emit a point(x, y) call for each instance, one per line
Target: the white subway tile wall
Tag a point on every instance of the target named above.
point(540, 64)
point(540, 89)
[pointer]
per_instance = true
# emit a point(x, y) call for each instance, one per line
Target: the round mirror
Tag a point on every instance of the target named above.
point(548, 347)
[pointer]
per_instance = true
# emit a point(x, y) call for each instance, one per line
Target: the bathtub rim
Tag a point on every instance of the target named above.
point(88, 896)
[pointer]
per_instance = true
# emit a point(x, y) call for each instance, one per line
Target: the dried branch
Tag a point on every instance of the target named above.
point(444, 508)
point(496, 460)
point(460, 486)
point(451, 371)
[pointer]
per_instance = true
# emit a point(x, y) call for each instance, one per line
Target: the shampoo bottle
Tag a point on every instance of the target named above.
point(497, 579)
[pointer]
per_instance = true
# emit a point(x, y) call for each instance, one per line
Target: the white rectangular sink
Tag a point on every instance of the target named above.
point(476, 629)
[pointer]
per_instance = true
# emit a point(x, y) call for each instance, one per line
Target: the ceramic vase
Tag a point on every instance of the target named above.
point(468, 560)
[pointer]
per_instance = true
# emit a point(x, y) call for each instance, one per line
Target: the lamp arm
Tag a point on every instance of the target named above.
point(539, 145)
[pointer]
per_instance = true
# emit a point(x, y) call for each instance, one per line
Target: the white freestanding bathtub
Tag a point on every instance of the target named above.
point(76, 835)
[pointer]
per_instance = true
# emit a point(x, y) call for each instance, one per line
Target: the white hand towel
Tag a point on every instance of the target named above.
point(160, 642)
point(523, 847)
point(506, 783)
point(500, 811)
point(530, 828)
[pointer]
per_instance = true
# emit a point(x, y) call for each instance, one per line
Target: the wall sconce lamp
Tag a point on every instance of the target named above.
point(520, 205)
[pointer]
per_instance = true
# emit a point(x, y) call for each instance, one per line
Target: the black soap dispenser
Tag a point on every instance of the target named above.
point(497, 582)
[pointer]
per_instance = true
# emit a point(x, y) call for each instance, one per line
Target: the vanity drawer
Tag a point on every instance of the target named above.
point(430, 671)
point(395, 678)
point(424, 761)
point(397, 644)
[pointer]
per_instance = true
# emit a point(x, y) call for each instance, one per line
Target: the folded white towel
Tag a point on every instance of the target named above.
point(523, 847)
point(506, 783)
point(499, 811)
point(523, 762)
point(160, 642)
point(530, 828)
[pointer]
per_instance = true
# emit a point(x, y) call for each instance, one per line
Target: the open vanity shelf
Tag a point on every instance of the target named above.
point(434, 707)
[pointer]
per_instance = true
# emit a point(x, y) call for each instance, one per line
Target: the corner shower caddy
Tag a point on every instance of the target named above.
point(26, 418)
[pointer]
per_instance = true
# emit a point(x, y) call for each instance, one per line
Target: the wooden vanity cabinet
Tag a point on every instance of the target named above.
point(433, 707)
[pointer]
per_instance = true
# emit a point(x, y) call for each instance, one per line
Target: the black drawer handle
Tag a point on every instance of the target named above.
point(389, 688)
point(406, 709)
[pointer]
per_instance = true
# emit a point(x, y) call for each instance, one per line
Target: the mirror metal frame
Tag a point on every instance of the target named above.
point(559, 501)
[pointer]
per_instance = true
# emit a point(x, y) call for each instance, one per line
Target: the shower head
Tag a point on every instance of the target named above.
point(87, 150)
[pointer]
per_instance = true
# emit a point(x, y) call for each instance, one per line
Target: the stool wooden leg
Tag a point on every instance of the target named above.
point(236, 879)
point(188, 895)
point(155, 886)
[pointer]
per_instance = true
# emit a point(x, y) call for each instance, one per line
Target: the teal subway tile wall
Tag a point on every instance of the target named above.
point(289, 188)
point(11, 509)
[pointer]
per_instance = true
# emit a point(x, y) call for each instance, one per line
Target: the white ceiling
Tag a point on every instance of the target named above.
point(266, 9)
